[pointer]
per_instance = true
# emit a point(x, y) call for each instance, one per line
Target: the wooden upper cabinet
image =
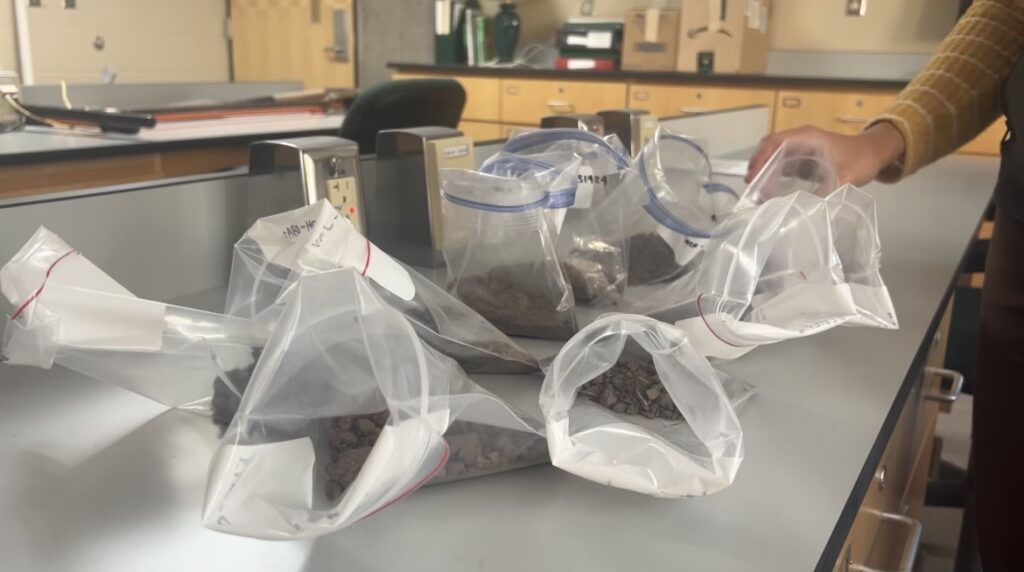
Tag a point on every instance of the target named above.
point(483, 95)
point(292, 40)
point(986, 143)
point(673, 100)
point(842, 111)
point(526, 101)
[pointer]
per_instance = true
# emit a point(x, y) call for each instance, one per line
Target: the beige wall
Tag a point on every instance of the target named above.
point(903, 26)
point(8, 48)
point(146, 40)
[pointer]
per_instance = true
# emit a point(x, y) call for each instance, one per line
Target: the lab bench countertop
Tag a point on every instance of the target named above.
point(682, 78)
point(42, 144)
point(93, 478)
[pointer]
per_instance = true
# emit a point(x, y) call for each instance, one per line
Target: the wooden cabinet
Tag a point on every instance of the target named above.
point(987, 143)
point(273, 41)
point(526, 101)
point(888, 520)
point(481, 131)
point(842, 111)
point(483, 95)
point(664, 100)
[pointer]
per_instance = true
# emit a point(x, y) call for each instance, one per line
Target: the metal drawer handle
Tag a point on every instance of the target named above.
point(882, 477)
point(909, 551)
point(512, 90)
point(955, 377)
point(853, 119)
point(556, 104)
point(693, 109)
point(640, 95)
point(791, 102)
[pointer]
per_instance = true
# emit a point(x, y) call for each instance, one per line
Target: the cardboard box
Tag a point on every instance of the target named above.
point(723, 36)
point(650, 40)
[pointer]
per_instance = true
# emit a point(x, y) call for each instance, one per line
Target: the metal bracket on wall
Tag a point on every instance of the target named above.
point(339, 51)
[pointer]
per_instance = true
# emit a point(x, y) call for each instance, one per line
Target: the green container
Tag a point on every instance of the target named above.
point(506, 32)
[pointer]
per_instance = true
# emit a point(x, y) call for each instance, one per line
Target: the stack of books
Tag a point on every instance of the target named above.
point(590, 44)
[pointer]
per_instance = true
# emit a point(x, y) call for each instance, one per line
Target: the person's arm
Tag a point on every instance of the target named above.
point(956, 96)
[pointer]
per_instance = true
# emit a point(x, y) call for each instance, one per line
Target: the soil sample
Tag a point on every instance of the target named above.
point(520, 300)
point(226, 398)
point(474, 450)
point(651, 259)
point(632, 387)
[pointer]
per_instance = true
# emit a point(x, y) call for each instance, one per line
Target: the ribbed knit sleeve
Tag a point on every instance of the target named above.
point(959, 93)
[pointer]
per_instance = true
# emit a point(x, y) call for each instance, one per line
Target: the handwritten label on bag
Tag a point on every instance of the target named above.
point(318, 239)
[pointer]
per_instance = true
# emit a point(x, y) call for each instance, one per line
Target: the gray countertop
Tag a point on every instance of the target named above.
point(95, 478)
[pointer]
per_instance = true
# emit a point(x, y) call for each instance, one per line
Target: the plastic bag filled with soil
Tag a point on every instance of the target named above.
point(855, 230)
point(795, 166)
point(500, 252)
point(280, 248)
point(629, 403)
point(69, 312)
point(770, 273)
point(593, 261)
point(347, 412)
point(679, 209)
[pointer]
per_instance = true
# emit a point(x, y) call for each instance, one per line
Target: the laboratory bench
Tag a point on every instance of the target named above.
point(38, 160)
point(838, 438)
point(501, 99)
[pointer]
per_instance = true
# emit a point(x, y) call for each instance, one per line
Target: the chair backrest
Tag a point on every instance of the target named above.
point(402, 103)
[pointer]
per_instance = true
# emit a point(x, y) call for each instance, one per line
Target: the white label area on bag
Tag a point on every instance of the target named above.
point(317, 238)
point(684, 247)
point(585, 181)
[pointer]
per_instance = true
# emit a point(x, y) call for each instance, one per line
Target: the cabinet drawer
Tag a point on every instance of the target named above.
point(483, 95)
point(986, 143)
point(844, 112)
point(526, 101)
point(508, 129)
point(480, 131)
point(672, 100)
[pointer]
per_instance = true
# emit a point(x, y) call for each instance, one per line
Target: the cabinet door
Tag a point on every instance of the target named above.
point(987, 143)
point(673, 100)
point(275, 41)
point(844, 112)
point(483, 95)
point(526, 101)
point(480, 131)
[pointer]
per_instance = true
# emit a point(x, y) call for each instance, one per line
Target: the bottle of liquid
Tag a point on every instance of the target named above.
point(506, 33)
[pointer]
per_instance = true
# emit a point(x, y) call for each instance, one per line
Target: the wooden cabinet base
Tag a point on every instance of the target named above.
point(51, 177)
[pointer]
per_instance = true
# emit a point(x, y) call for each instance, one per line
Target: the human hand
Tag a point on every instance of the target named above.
point(858, 158)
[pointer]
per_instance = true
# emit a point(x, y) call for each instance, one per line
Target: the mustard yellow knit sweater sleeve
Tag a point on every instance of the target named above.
point(959, 93)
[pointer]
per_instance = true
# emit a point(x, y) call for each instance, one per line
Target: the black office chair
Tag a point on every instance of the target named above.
point(402, 103)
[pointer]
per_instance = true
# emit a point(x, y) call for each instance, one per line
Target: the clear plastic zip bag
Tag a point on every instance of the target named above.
point(69, 312)
point(278, 249)
point(629, 403)
point(348, 412)
point(795, 166)
point(681, 207)
point(500, 253)
point(769, 274)
point(855, 229)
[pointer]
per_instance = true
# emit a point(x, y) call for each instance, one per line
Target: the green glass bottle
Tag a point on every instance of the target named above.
point(506, 32)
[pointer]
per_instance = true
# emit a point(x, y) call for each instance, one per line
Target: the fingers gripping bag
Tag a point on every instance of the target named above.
point(855, 228)
point(280, 248)
point(68, 312)
point(629, 403)
point(500, 252)
point(769, 274)
point(681, 206)
point(795, 166)
point(347, 412)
